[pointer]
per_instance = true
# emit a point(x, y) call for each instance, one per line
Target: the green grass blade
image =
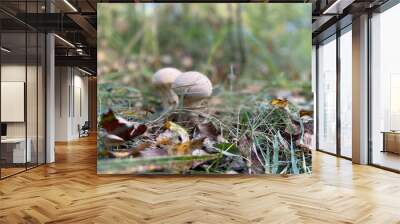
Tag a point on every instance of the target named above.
point(293, 159)
point(275, 158)
point(143, 165)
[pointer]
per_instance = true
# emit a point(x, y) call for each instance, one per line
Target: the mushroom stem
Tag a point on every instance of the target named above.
point(163, 79)
point(169, 98)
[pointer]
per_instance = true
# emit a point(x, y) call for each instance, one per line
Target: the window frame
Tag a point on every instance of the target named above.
point(333, 37)
point(381, 9)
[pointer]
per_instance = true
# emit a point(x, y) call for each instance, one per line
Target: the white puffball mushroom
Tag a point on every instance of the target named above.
point(163, 80)
point(193, 87)
point(166, 76)
point(113, 140)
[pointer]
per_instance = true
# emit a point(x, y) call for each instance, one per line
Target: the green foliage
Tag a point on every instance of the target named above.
point(264, 42)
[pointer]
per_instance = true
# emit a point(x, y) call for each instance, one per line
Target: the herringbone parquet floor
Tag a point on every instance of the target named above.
point(69, 191)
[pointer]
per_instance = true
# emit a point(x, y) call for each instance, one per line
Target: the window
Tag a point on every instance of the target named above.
point(346, 93)
point(327, 96)
point(385, 89)
point(22, 88)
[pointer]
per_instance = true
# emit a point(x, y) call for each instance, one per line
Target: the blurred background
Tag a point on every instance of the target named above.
point(252, 48)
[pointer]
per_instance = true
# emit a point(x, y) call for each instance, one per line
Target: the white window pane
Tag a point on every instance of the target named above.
point(346, 94)
point(327, 97)
point(385, 82)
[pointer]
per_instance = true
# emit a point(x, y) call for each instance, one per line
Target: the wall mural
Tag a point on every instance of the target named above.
point(204, 88)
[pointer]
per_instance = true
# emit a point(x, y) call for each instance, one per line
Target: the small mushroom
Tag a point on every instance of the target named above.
point(112, 140)
point(193, 87)
point(163, 80)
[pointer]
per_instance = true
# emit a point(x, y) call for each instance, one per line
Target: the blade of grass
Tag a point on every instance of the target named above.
point(275, 158)
point(133, 165)
point(293, 159)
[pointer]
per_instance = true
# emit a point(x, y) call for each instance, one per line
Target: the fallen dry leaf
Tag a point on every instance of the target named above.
point(139, 130)
point(208, 130)
point(283, 103)
point(120, 127)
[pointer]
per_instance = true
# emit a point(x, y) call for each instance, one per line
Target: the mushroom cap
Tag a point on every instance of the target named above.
point(192, 84)
point(165, 76)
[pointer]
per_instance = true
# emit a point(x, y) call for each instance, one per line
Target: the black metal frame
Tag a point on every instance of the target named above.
point(338, 98)
point(27, 27)
point(369, 78)
point(316, 97)
point(387, 5)
point(339, 32)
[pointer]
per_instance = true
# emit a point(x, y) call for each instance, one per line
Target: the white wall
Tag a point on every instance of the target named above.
point(61, 103)
point(71, 94)
point(80, 109)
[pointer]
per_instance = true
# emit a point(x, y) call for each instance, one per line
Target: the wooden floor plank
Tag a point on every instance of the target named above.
point(70, 191)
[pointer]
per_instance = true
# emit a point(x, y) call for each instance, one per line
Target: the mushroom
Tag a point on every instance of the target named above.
point(193, 87)
point(112, 140)
point(163, 80)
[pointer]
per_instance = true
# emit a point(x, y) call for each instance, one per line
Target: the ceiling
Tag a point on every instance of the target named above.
point(73, 21)
point(331, 15)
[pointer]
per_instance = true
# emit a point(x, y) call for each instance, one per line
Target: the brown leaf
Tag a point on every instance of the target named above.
point(177, 130)
point(141, 129)
point(306, 113)
point(116, 125)
point(197, 143)
point(183, 149)
point(208, 130)
point(120, 127)
point(283, 103)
